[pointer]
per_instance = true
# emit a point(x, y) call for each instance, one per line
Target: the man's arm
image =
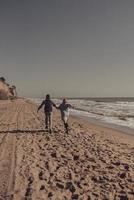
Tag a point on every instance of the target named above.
point(54, 104)
point(40, 106)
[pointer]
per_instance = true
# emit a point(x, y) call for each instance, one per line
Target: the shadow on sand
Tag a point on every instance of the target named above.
point(24, 131)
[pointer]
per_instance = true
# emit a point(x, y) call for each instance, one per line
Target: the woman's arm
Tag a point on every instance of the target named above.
point(70, 106)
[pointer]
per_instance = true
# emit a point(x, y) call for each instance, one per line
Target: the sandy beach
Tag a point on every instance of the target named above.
point(90, 163)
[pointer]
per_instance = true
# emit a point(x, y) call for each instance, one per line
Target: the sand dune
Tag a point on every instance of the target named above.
point(7, 91)
point(91, 162)
point(4, 91)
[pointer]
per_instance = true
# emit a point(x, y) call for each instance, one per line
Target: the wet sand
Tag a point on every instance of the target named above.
point(116, 127)
point(90, 163)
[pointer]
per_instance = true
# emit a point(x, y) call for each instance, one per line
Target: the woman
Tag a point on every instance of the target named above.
point(64, 109)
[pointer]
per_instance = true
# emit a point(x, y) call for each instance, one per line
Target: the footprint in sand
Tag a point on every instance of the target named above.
point(70, 187)
point(42, 187)
point(41, 175)
point(28, 194)
point(54, 155)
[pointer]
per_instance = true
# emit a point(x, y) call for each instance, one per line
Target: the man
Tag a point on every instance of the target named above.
point(64, 109)
point(48, 108)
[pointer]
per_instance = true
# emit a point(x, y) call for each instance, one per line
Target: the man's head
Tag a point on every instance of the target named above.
point(47, 97)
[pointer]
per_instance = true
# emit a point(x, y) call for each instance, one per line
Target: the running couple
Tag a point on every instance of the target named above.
point(48, 108)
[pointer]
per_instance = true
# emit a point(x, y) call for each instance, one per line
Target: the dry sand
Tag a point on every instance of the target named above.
point(91, 163)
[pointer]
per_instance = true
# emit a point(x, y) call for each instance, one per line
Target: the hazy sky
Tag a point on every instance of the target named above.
point(68, 47)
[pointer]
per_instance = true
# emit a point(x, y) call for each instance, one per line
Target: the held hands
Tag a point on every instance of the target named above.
point(57, 107)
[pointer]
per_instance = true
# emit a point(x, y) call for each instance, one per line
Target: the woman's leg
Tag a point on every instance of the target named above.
point(65, 120)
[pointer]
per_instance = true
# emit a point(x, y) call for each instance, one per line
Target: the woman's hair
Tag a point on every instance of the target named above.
point(64, 100)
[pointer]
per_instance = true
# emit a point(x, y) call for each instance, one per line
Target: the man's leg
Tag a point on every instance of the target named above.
point(50, 122)
point(46, 120)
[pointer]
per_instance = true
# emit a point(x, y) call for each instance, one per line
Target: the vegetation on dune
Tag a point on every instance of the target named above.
point(7, 91)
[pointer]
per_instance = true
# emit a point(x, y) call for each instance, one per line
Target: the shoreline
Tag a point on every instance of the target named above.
point(122, 129)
